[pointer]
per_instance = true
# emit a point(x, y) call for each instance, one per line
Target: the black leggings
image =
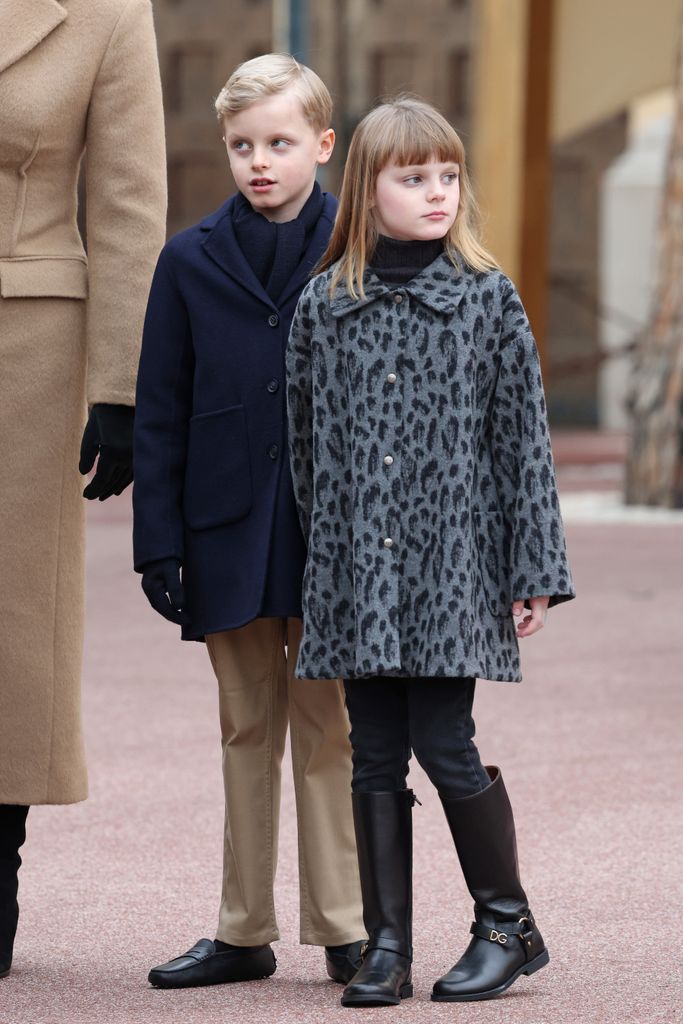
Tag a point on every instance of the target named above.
point(432, 716)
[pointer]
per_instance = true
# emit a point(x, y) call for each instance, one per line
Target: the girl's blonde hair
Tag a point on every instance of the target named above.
point(270, 74)
point(403, 131)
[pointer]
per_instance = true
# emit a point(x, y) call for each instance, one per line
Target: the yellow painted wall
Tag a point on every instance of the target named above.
point(500, 74)
point(607, 53)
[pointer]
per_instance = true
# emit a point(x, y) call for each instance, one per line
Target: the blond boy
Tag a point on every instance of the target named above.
point(217, 538)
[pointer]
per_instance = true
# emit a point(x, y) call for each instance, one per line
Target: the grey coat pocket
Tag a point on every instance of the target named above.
point(218, 487)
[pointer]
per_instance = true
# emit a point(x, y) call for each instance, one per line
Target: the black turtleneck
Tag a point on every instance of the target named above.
point(396, 262)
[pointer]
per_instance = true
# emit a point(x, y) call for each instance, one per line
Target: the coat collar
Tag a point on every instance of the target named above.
point(439, 286)
point(221, 245)
point(24, 24)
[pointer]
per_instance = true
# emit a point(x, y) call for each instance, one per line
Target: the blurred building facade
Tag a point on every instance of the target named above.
point(540, 90)
point(200, 41)
point(362, 49)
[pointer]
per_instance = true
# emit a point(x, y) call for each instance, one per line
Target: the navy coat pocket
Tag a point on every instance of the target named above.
point(218, 487)
point(492, 541)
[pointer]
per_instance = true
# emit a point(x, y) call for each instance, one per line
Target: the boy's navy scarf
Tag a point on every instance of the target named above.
point(274, 251)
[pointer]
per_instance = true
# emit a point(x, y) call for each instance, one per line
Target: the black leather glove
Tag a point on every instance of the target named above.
point(164, 590)
point(109, 433)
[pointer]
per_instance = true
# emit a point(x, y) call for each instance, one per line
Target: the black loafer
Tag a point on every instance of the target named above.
point(344, 961)
point(206, 965)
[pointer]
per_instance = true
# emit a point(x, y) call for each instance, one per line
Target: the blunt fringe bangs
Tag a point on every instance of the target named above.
point(405, 134)
point(403, 131)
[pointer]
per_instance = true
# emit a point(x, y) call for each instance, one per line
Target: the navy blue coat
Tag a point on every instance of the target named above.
point(211, 459)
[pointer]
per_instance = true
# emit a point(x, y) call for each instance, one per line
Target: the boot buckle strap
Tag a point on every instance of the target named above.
point(387, 944)
point(522, 929)
point(491, 934)
point(527, 924)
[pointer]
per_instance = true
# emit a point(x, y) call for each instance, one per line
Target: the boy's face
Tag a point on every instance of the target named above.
point(419, 202)
point(274, 152)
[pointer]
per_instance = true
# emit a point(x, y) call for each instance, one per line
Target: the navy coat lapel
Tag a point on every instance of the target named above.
point(221, 246)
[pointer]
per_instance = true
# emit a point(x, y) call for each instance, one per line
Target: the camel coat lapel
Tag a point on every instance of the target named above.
point(24, 24)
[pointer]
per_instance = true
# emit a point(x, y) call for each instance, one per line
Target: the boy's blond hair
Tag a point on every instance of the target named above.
point(271, 74)
point(405, 131)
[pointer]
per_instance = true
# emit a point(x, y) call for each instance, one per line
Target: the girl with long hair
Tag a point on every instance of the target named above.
point(425, 486)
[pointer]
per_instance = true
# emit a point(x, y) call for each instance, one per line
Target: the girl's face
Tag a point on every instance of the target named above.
point(418, 202)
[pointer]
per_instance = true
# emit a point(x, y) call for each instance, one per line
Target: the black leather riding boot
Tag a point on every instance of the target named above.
point(384, 838)
point(505, 940)
point(12, 835)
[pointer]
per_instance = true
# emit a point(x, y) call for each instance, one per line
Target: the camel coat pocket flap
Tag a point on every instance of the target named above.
point(46, 276)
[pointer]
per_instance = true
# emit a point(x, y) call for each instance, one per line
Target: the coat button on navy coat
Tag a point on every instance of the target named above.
point(249, 560)
point(273, 386)
point(273, 320)
point(273, 451)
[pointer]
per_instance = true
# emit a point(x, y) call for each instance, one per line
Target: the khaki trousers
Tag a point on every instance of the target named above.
point(258, 696)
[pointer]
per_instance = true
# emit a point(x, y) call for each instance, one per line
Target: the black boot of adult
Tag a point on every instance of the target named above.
point(12, 835)
point(505, 940)
point(384, 838)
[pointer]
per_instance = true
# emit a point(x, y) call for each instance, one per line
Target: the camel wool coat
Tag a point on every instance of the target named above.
point(78, 79)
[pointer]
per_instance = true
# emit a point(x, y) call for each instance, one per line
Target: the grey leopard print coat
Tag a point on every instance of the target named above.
point(423, 476)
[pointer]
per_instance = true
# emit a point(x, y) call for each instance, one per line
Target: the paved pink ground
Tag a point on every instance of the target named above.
point(590, 747)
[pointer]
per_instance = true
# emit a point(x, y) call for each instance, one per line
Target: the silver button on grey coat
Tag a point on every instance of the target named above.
point(423, 476)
